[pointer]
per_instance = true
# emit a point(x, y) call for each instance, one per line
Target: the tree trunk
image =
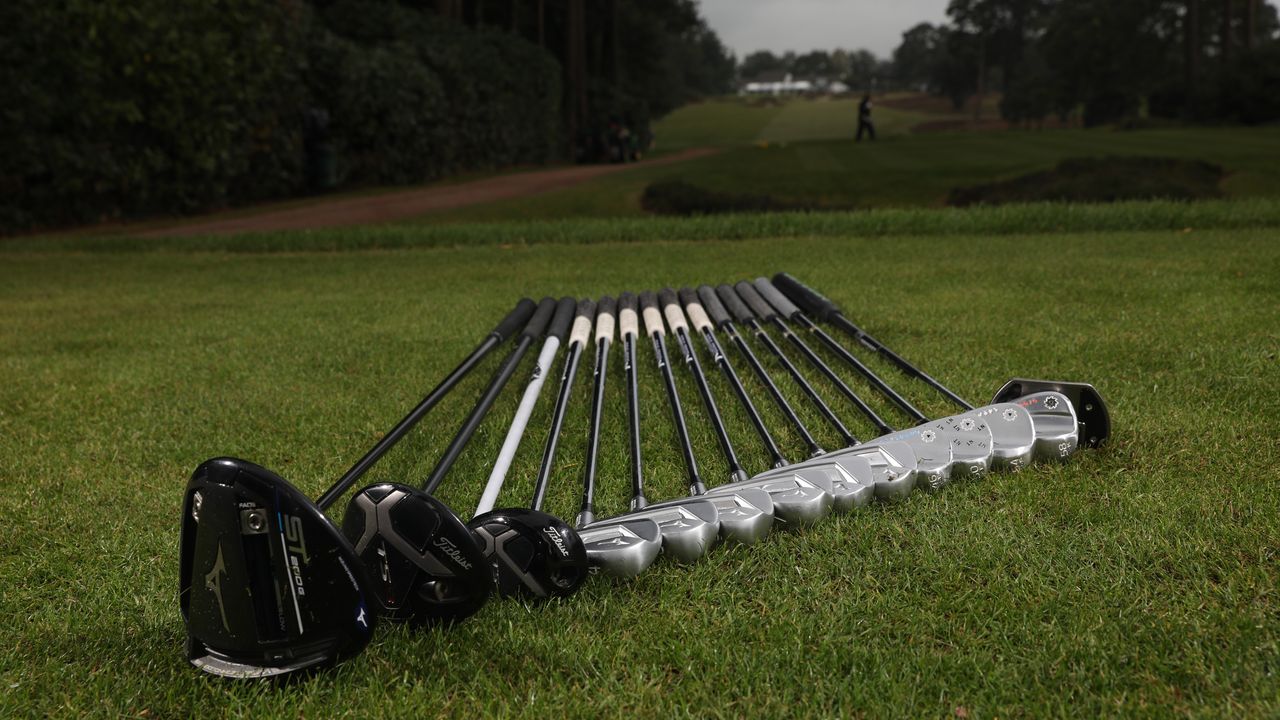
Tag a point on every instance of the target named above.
point(614, 53)
point(575, 72)
point(1250, 22)
point(982, 80)
point(1226, 31)
point(1191, 31)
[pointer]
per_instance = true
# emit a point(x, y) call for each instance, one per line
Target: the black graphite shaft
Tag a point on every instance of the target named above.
point(629, 330)
point(578, 338)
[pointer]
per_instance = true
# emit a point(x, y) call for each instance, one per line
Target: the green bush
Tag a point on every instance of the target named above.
point(1101, 180)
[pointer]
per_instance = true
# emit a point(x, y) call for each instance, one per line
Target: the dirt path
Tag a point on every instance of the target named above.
point(403, 204)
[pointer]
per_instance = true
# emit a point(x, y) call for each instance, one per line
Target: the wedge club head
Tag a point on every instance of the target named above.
point(689, 526)
point(624, 548)
point(1057, 428)
point(932, 447)
point(531, 553)
point(268, 584)
point(971, 444)
point(1089, 406)
point(427, 566)
point(1013, 434)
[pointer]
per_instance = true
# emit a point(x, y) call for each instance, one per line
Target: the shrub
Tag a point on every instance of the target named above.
point(1093, 180)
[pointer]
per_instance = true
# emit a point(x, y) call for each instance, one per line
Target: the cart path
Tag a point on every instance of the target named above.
point(405, 204)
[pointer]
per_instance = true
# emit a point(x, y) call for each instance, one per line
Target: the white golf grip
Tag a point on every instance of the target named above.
point(675, 319)
point(604, 327)
point(628, 323)
point(581, 332)
point(518, 424)
point(698, 317)
point(653, 321)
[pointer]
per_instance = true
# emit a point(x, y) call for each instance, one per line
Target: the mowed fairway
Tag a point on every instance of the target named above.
point(1138, 579)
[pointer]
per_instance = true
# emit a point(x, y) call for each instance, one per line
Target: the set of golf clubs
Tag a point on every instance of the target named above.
point(270, 587)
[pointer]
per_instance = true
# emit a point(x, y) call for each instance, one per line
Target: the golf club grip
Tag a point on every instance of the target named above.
point(605, 319)
point(785, 307)
point(671, 310)
point(652, 317)
point(515, 319)
point(762, 309)
point(734, 304)
point(810, 300)
point(581, 333)
point(538, 323)
point(628, 315)
point(562, 318)
point(692, 308)
point(713, 306)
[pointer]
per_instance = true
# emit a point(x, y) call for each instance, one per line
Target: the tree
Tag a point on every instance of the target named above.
point(758, 63)
point(915, 58)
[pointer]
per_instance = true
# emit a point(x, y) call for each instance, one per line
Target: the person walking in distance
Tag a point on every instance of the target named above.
point(864, 118)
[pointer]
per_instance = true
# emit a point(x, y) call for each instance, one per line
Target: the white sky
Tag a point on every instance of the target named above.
point(802, 25)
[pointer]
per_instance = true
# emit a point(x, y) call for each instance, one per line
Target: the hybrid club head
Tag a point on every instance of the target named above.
point(1013, 434)
point(1057, 429)
point(624, 548)
point(531, 553)
point(932, 447)
point(268, 585)
point(427, 566)
point(689, 526)
point(746, 514)
point(971, 444)
point(796, 500)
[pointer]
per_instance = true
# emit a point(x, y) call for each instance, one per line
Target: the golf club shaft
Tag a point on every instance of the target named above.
point(511, 443)
point(788, 310)
point(697, 316)
point(512, 322)
point(578, 339)
point(657, 331)
point(629, 328)
point(530, 333)
point(720, 316)
point(815, 304)
point(604, 336)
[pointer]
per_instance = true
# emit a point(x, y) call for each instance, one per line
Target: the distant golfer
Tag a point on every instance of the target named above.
point(864, 119)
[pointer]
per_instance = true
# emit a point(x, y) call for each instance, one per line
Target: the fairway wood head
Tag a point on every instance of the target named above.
point(971, 444)
point(1013, 434)
point(532, 554)
point(268, 585)
point(796, 500)
point(623, 549)
point(1057, 429)
point(689, 526)
point(426, 565)
point(746, 514)
point(932, 447)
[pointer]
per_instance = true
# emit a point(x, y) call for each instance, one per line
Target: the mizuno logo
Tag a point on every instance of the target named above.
point(213, 583)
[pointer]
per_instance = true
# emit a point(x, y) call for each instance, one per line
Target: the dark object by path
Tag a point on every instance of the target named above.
point(1101, 180)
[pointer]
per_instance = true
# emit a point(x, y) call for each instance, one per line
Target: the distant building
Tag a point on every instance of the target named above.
point(782, 83)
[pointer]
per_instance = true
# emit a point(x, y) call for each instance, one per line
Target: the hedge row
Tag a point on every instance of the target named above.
point(159, 107)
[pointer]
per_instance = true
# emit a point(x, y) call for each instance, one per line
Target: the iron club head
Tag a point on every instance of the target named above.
point(689, 526)
point(624, 548)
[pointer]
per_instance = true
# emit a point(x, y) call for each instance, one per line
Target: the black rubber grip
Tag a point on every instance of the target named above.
point(688, 296)
point(785, 307)
point(668, 297)
point(560, 322)
point(607, 306)
point(734, 304)
point(586, 309)
point(648, 299)
point(748, 293)
point(515, 319)
point(713, 306)
point(809, 300)
point(628, 301)
point(538, 323)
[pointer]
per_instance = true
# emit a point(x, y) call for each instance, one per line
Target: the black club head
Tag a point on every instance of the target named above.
point(532, 554)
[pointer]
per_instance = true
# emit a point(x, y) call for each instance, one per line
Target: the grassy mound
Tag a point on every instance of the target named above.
point(1101, 180)
point(677, 197)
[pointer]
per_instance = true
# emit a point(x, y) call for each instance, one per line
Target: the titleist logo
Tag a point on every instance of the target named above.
point(453, 552)
point(556, 540)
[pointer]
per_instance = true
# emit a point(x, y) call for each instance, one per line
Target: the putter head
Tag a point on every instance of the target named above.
point(689, 526)
point(1090, 408)
point(1057, 429)
point(268, 585)
point(623, 549)
point(796, 500)
point(531, 553)
point(932, 447)
point(746, 514)
point(1013, 434)
point(971, 444)
point(426, 565)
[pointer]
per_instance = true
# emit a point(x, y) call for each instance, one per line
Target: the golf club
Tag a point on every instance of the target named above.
point(689, 526)
point(268, 584)
point(532, 553)
point(429, 566)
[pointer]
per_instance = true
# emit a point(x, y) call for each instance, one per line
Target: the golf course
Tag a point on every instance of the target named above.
point(1139, 578)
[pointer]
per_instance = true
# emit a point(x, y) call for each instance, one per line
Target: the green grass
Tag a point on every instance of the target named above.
point(1136, 580)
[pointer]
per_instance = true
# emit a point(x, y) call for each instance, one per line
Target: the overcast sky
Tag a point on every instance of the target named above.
point(802, 25)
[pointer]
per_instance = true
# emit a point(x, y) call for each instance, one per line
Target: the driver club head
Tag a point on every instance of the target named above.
point(268, 584)
point(622, 549)
point(427, 566)
point(1057, 428)
point(531, 553)
point(1013, 434)
point(689, 526)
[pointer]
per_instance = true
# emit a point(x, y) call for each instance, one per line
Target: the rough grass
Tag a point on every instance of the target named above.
point(1136, 580)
